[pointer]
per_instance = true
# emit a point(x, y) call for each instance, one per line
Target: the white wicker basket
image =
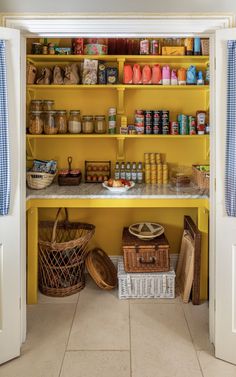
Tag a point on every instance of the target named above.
point(145, 285)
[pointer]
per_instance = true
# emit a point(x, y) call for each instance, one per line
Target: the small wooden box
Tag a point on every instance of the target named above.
point(173, 50)
point(145, 256)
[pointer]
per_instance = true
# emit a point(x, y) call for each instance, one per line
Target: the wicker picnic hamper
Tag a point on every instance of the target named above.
point(145, 256)
point(62, 253)
point(201, 178)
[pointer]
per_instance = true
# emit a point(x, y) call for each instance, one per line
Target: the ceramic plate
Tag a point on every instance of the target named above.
point(119, 189)
point(146, 231)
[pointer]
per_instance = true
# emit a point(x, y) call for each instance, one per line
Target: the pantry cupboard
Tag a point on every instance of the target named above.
point(174, 149)
point(110, 214)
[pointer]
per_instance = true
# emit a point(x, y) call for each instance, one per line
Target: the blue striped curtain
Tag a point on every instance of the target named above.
point(4, 137)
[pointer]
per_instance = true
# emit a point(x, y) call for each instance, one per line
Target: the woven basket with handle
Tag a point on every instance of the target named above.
point(62, 253)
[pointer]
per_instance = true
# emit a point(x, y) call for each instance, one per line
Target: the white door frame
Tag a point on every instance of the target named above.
point(130, 25)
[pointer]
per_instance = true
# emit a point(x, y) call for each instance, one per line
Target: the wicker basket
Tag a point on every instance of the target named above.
point(38, 181)
point(201, 178)
point(62, 253)
point(145, 285)
point(101, 269)
point(145, 256)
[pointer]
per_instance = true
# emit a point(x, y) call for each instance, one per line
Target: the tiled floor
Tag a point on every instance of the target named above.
point(94, 334)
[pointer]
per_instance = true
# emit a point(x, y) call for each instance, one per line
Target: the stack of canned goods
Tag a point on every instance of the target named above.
point(185, 125)
point(152, 122)
point(155, 171)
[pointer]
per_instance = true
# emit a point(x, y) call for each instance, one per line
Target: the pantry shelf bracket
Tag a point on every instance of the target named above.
point(121, 96)
point(121, 62)
point(120, 156)
point(30, 149)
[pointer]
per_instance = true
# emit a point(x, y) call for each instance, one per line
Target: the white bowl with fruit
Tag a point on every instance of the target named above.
point(118, 185)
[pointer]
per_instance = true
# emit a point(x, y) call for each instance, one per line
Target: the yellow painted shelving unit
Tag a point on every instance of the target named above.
point(110, 215)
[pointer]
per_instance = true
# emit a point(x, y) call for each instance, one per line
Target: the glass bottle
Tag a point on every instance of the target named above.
point(87, 124)
point(35, 123)
point(100, 124)
point(140, 173)
point(74, 123)
point(50, 127)
point(117, 170)
point(128, 171)
point(122, 171)
point(61, 121)
point(134, 172)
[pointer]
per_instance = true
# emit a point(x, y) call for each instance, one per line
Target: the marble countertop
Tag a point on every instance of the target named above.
point(96, 191)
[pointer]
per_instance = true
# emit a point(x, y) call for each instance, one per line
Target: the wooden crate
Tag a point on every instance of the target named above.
point(145, 256)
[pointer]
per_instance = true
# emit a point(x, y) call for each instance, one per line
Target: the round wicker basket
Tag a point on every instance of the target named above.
point(101, 269)
point(38, 181)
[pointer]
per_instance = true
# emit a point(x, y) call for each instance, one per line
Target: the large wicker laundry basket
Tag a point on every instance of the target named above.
point(62, 253)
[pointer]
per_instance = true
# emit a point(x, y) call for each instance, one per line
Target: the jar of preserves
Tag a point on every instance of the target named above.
point(48, 104)
point(61, 121)
point(100, 124)
point(50, 127)
point(36, 105)
point(35, 123)
point(74, 124)
point(87, 124)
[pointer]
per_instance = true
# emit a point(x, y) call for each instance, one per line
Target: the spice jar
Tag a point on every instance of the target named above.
point(74, 124)
point(48, 104)
point(36, 105)
point(100, 124)
point(50, 127)
point(87, 124)
point(35, 122)
point(61, 121)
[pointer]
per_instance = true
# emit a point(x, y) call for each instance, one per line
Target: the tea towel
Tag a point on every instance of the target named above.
point(4, 137)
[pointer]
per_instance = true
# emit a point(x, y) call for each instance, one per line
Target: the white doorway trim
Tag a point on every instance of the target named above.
point(126, 25)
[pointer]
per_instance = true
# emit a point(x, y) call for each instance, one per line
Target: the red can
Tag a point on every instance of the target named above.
point(174, 128)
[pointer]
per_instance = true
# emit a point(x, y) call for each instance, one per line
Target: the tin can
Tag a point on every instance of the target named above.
point(139, 121)
point(148, 117)
point(183, 124)
point(165, 129)
point(156, 118)
point(144, 47)
point(157, 129)
point(192, 125)
point(165, 118)
point(189, 46)
point(174, 128)
point(154, 47)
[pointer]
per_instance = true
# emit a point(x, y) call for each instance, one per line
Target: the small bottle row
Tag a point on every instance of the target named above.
point(129, 171)
point(164, 75)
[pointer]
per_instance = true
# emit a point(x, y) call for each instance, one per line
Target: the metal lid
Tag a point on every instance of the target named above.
point(100, 117)
point(61, 112)
point(77, 112)
point(36, 101)
point(87, 117)
point(35, 112)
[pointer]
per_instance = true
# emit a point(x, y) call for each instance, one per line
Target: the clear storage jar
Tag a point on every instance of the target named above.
point(100, 124)
point(35, 123)
point(48, 104)
point(87, 124)
point(36, 105)
point(74, 123)
point(50, 127)
point(61, 121)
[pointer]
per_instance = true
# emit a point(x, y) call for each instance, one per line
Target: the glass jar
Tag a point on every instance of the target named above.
point(87, 124)
point(61, 121)
point(50, 127)
point(48, 104)
point(35, 123)
point(36, 105)
point(74, 124)
point(100, 124)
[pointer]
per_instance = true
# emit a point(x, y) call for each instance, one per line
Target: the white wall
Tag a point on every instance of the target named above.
point(117, 6)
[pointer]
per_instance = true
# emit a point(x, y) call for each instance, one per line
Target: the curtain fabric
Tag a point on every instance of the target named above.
point(4, 137)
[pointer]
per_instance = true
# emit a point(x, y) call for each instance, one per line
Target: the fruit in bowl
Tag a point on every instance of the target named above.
point(117, 182)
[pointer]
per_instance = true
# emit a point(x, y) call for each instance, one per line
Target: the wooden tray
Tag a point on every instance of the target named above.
point(69, 179)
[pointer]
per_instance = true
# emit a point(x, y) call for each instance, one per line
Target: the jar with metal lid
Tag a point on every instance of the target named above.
point(50, 127)
point(36, 105)
point(37, 48)
point(100, 124)
point(87, 124)
point(48, 104)
point(61, 121)
point(35, 123)
point(74, 124)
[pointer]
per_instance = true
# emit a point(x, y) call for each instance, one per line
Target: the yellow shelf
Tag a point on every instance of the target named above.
point(120, 87)
point(117, 136)
point(116, 58)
